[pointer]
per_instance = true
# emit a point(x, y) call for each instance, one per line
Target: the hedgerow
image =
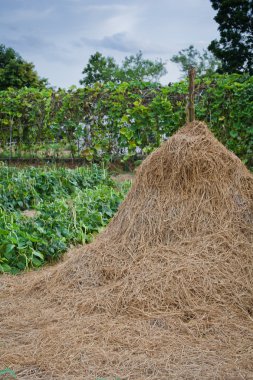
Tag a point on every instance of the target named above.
point(123, 120)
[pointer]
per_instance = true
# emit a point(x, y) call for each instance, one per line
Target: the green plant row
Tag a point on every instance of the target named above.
point(26, 188)
point(124, 120)
point(69, 207)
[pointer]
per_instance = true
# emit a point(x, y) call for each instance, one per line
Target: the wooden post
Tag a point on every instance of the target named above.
point(191, 110)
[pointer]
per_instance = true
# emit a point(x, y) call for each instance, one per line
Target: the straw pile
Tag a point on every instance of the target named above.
point(165, 292)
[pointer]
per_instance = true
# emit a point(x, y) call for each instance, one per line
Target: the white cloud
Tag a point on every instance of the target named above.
point(117, 41)
point(123, 43)
point(124, 21)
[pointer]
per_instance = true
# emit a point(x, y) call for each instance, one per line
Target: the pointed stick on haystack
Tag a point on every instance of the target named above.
point(191, 110)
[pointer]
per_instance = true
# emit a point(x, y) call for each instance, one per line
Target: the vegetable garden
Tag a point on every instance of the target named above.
point(68, 207)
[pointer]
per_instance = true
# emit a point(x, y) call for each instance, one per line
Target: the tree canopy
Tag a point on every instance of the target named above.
point(104, 69)
point(136, 67)
point(99, 69)
point(235, 46)
point(16, 72)
point(204, 62)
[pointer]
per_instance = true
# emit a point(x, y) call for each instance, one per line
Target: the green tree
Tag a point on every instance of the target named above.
point(99, 69)
point(204, 62)
point(104, 69)
point(16, 72)
point(235, 46)
point(136, 67)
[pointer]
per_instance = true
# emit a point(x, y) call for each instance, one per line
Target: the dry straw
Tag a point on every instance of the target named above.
point(165, 292)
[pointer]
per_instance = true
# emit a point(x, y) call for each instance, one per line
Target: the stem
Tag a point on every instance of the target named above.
point(11, 128)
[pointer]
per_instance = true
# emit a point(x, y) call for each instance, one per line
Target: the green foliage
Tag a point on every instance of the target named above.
point(92, 121)
point(122, 121)
point(102, 69)
point(204, 62)
point(24, 115)
point(71, 206)
point(137, 68)
point(16, 72)
point(228, 111)
point(8, 374)
point(235, 46)
point(99, 69)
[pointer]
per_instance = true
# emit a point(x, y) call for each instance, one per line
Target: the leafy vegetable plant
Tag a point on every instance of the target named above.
point(68, 207)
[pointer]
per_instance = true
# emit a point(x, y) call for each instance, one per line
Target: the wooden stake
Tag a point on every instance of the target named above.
point(191, 109)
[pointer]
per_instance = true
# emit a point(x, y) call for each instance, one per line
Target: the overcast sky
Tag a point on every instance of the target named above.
point(59, 36)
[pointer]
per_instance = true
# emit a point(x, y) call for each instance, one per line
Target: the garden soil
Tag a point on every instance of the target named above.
point(165, 292)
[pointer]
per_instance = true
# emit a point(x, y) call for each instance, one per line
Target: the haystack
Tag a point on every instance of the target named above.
point(165, 292)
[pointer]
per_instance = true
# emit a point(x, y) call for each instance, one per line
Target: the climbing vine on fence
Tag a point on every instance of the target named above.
point(122, 120)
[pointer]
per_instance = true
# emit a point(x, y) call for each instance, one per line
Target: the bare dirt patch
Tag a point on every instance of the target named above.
point(30, 213)
point(123, 177)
